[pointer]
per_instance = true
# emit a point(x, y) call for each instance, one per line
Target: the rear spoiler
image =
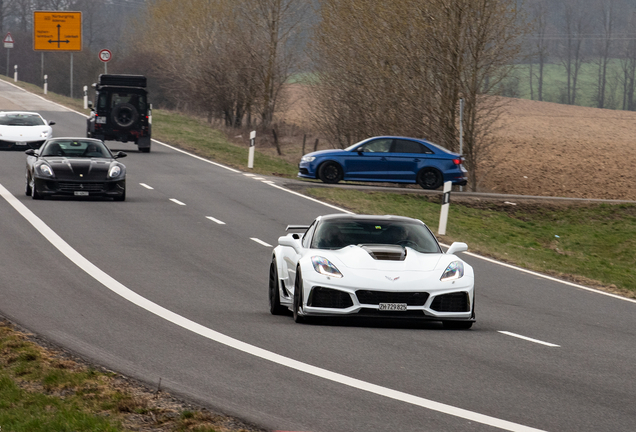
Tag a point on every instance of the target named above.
point(297, 227)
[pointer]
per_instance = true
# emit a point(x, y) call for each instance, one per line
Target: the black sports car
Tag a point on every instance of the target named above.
point(75, 167)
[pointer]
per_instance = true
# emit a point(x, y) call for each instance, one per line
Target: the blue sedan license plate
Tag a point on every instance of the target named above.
point(392, 306)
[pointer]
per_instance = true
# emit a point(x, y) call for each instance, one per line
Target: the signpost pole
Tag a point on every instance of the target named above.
point(71, 75)
point(8, 44)
point(8, 51)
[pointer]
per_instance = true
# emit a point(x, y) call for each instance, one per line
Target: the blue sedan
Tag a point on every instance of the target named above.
point(386, 159)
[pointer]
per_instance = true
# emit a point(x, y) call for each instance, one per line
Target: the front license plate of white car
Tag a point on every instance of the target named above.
point(20, 143)
point(81, 193)
point(392, 306)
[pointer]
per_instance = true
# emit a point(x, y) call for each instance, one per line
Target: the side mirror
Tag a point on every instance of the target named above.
point(51, 123)
point(120, 154)
point(457, 247)
point(290, 241)
point(31, 152)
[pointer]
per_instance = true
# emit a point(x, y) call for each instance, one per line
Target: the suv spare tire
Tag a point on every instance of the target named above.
point(124, 115)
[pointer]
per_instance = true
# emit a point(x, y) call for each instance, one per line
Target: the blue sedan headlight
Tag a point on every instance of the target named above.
point(308, 158)
point(455, 270)
point(45, 170)
point(325, 267)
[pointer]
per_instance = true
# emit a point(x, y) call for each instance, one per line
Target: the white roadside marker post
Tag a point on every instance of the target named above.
point(85, 97)
point(46, 85)
point(443, 217)
point(15, 73)
point(250, 159)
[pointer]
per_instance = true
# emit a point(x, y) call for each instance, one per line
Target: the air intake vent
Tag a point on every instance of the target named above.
point(385, 252)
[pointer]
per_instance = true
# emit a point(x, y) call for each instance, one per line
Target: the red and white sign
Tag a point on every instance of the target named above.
point(8, 41)
point(105, 55)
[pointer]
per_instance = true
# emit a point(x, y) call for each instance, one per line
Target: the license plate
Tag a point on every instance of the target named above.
point(100, 120)
point(20, 143)
point(392, 306)
point(81, 193)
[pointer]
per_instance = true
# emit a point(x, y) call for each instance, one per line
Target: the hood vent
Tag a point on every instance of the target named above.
point(385, 252)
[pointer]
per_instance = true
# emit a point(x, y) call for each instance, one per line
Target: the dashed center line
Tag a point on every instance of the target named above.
point(176, 201)
point(529, 339)
point(259, 241)
point(215, 220)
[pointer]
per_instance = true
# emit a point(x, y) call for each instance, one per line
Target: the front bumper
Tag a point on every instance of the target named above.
point(20, 145)
point(109, 188)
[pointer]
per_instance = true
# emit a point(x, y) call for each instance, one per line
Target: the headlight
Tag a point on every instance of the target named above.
point(455, 270)
point(45, 170)
point(325, 267)
point(44, 134)
point(114, 171)
point(308, 158)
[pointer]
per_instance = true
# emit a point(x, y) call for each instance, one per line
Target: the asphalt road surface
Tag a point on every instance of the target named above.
point(171, 285)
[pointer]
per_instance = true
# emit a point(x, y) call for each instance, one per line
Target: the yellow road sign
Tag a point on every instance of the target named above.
point(57, 31)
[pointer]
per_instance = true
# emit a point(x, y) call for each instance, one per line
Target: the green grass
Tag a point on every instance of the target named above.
point(591, 243)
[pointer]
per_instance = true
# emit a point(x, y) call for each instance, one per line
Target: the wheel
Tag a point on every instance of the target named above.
point(274, 294)
point(121, 197)
point(124, 115)
point(330, 172)
point(27, 189)
point(298, 298)
point(457, 325)
point(144, 149)
point(429, 178)
point(34, 192)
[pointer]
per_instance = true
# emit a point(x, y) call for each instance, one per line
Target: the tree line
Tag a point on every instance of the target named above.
point(398, 68)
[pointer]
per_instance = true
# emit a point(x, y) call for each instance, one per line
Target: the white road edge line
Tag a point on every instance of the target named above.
point(259, 241)
point(176, 201)
point(215, 220)
point(121, 290)
point(528, 339)
point(146, 186)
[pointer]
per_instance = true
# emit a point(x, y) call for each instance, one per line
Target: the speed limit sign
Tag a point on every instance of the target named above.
point(105, 55)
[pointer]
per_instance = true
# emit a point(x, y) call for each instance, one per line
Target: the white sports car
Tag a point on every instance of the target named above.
point(365, 265)
point(23, 130)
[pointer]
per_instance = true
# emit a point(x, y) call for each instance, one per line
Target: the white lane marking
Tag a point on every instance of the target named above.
point(260, 242)
point(215, 220)
point(528, 339)
point(258, 178)
point(176, 201)
point(249, 174)
point(121, 290)
point(146, 186)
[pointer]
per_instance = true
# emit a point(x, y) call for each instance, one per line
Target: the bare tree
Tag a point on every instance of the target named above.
point(576, 24)
point(540, 14)
point(607, 18)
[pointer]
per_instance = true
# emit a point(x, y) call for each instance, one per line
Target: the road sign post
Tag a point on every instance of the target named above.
point(8, 44)
point(105, 56)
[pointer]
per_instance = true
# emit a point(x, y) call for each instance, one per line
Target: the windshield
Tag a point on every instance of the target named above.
point(21, 120)
point(336, 234)
point(76, 148)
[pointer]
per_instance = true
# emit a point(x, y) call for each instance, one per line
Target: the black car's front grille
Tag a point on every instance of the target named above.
point(454, 302)
point(329, 298)
point(304, 171)
point(88, 187)
point(377, 297)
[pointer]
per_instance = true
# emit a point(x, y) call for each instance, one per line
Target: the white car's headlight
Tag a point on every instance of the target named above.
point(44, 134)
point(308, 158)
point(325, 267)
point(45, 170)
point(455, 270)
point(114, 171)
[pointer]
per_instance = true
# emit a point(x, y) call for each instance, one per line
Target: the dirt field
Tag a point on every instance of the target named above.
point(542, 148)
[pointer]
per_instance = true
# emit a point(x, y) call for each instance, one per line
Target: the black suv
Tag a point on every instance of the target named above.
point(121, 112)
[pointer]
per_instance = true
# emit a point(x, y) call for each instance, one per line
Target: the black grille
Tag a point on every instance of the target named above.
point(377, 297)
point(329, 298)
point(386, 252)
point(372, 313)
point(88, 187)
point(454, 302)
point(12, 144)
point(304, 171)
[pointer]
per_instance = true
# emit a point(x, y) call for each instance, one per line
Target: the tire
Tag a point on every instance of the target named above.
point(275, 307)
point(429, 178)
point(330, 172)
point(122, 197)
point(124, 115)
point(144, 149)
point(27, 189)
point(298, 295)
point(34, 192)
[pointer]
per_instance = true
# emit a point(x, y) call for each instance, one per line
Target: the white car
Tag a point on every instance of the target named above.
point(23, 130)
point(371, 266)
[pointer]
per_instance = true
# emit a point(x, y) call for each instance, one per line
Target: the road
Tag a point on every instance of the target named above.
point(171, 285)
